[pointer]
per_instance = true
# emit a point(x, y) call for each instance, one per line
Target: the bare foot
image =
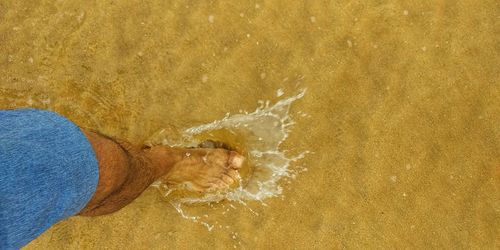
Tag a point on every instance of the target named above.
point(205, 170)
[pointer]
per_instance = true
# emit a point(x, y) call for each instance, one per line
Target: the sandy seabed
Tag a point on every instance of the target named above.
point(403, 102)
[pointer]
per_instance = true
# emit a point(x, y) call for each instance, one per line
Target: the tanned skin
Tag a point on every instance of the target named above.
point(126, 170)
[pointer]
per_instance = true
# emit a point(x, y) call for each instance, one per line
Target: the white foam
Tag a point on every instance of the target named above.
point(264, 130)
point(279, 92)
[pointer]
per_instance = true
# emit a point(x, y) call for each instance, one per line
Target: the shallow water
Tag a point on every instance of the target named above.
point(403, 100)
point(256, 135)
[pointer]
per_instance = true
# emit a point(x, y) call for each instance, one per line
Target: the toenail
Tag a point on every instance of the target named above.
point(238, 160)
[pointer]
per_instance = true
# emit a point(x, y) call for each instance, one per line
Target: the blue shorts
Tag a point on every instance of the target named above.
point(48, 172)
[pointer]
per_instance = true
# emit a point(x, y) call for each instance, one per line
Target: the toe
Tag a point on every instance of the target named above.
point(227, 179)
point(235, 160)
point(233, 174)
point(217, 187)
point(219, 183)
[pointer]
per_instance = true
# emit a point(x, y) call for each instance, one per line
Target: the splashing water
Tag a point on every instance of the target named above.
point(257, 135)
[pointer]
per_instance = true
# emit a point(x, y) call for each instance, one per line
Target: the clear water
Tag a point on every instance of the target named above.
point(403, 98)
point(258, 135)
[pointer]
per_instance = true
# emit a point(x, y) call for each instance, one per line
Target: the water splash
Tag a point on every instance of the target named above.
point(258, 135)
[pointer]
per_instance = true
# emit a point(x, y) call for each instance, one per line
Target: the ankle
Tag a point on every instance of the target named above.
point(163, 158)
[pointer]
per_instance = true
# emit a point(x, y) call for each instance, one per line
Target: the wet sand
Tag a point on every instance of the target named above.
point(403, 98)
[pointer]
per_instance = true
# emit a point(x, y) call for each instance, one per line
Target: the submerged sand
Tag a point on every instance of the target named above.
point(403, 98)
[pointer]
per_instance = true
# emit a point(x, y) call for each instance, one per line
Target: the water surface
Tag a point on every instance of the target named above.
point(402, 99)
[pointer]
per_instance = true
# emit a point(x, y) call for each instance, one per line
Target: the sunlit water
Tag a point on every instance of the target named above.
point(258, 135)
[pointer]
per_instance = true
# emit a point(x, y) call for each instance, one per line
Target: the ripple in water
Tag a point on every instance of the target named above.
point(257, 135)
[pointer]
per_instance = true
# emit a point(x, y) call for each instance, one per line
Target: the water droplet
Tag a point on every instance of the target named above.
point(264, 130)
